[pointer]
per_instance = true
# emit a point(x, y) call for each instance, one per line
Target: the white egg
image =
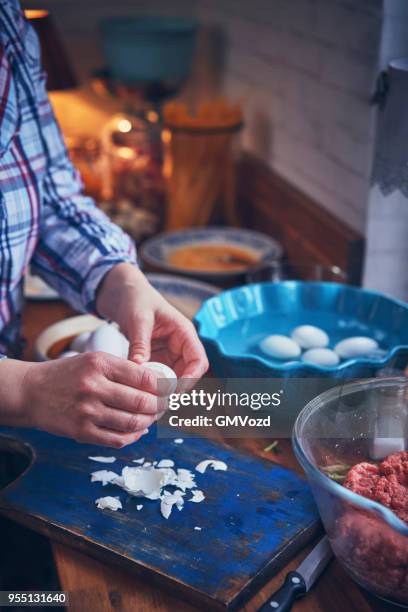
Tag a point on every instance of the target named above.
point(321, 356)
point(79, 342)
point(280, 347)
point(358, 346)
point(309, 336)
point(106, 338)
point(66, 354)
point(163, 371)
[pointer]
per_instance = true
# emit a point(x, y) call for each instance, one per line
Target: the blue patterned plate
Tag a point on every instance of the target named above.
point(185, 294)
point(156, 251)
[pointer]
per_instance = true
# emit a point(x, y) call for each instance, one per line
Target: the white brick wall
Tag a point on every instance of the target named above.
point(305, 70)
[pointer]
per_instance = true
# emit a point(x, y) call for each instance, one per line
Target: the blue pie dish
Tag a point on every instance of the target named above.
point(232, 324)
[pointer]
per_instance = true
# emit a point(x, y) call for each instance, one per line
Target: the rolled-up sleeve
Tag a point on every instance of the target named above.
point(78, 244)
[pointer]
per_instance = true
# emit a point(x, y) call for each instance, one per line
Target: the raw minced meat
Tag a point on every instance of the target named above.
point(376, 553)
point(386, 483)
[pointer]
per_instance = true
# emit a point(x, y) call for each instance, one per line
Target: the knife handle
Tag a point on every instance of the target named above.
point(284, 598)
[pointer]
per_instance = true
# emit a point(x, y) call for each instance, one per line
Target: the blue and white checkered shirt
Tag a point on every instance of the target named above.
point(45, 220)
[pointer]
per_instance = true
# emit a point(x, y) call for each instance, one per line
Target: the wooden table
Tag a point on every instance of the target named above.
point(94, 587)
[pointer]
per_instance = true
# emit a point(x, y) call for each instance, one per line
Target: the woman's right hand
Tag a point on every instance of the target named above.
point(94, 398)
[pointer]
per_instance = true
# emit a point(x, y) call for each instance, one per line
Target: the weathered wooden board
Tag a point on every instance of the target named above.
point(254, 518)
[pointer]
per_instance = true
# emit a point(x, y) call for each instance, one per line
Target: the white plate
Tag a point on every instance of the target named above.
point(36, 289)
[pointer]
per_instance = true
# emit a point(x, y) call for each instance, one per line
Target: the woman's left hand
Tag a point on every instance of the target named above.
point(156, 330)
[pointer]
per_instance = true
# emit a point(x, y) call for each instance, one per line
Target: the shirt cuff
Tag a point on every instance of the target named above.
point(96, 276)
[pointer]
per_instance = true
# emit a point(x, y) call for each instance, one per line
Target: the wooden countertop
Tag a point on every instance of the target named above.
point(95, 587)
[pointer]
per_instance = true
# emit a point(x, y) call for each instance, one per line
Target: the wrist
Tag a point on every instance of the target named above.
point(14, 393)
point(124, 277)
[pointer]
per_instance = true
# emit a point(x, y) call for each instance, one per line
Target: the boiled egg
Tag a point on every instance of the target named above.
point(321, 357)
point(280, 347)
point(163, 371)
point(309, 337)
point(357, 346)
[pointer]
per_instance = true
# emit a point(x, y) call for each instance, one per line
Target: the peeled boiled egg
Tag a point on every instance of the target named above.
point(66, 354)
point(358, 346)
point(309, 336)
point(280, 347)
point(106, 338)
point(163, 371)
point(321, 357)
point(79, 342)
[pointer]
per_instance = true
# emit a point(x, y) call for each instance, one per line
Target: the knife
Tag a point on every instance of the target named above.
point(298, 583)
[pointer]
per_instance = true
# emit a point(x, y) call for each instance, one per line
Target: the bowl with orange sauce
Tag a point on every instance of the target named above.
point(219, 254)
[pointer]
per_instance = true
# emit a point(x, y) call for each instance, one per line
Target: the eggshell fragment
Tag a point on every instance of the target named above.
point(309, 336)
point(168, 500)
point(103, 459)
point(216, 465)
point(164, 463)
point(163, 372)
point(280, 347)
point(103, 476)
point(178, 441)
point(198, 496)
point(109, 503)
point(321, 357)
point(357, 346)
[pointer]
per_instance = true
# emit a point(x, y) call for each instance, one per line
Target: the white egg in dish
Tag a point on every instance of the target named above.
point(310, 336)
point(163, 371)
point(357, 346)
point(280, 347)
point(321, 357)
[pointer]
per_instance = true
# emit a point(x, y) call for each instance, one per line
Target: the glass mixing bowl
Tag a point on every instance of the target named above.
point(360, 421)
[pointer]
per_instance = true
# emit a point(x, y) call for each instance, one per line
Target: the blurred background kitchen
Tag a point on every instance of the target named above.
point(285, 135)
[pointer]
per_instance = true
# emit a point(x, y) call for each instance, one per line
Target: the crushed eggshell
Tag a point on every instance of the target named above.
point(165, 463)
point(198, 496)
point(143, 482)
point(139, 506)
point(197, 528)
point(215, 464)
point(103, 476)
point(109, 503)
point(178, 441)
point(103, 459)
point(168, 500)
point(142, 460)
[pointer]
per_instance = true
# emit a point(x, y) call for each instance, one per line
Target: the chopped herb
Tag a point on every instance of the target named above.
point(272, 446)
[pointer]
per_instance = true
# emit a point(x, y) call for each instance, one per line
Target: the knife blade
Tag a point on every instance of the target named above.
point(298, 583)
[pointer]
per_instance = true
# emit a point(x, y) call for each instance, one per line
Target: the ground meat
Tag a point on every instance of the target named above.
point(377, 555)
point(386, 483)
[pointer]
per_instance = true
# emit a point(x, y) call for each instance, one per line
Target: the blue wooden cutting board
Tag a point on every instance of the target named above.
point(256, 515)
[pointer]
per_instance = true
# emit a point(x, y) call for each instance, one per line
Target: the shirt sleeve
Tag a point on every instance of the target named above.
point(78, 244)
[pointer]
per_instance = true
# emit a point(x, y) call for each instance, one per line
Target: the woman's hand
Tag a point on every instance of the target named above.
point(94, 398)
point(155, 329)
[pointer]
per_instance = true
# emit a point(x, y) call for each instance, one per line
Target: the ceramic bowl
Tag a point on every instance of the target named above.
point(155, 252)
point(232, 324)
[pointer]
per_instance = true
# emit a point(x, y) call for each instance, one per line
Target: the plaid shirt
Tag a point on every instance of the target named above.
point(45, 221)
